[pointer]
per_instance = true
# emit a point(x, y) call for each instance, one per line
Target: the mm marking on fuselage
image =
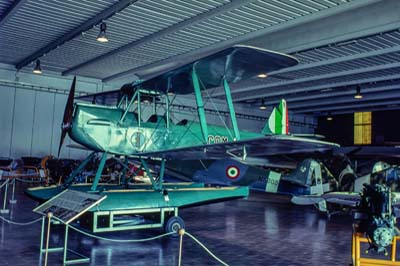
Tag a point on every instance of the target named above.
point(212, 139)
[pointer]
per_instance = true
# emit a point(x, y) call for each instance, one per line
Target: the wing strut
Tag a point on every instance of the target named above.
point(200, 105)
point(231, 110)
point(157, 184)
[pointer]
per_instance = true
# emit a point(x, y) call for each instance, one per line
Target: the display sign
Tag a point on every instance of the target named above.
point(69, 204)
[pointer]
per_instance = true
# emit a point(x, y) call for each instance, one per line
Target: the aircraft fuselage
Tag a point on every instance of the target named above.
point(100, 128)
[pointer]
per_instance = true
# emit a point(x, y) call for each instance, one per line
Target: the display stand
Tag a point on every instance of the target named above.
point(359, 238)
point(65, 208)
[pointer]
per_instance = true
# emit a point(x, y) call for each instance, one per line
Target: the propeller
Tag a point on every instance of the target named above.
point(67, 119)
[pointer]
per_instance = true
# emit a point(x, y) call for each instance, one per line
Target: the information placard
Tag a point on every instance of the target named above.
point(69, 204)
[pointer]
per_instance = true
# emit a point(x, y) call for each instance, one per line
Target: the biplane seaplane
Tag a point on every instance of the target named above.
point(119, 130)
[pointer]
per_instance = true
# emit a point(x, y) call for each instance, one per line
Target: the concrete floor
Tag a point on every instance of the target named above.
point(262, 230)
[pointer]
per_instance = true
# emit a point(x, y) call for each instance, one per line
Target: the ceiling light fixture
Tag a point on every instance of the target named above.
point(329, 117)
point(263, 106)
point(37, 69)
point(262, 75)
point(358, 94)
point(102, 37)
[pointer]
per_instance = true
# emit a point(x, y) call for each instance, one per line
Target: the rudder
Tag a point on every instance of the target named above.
point(278, 122)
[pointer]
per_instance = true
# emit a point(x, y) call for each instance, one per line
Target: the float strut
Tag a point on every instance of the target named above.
point(71, 177)
point(99, 172)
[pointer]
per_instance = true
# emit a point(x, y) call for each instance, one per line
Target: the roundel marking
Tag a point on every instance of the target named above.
point(137, 139)
point(232, 171)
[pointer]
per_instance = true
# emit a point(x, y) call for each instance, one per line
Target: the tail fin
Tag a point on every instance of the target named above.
point(278, 122)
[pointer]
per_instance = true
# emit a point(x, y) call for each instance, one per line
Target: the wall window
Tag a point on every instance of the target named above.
point(362, 128)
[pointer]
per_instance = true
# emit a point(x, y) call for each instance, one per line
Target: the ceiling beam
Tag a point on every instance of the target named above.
point(361, 109)
point(15, 6)
point(341, 91)
point(352, 106)
point(174, 28)
point(106, 13)
point(324, 63)
point(337, 101)
point(336, 60)
point(255, 92)
point(194, 55)
point(342, 27)
point(333, 85)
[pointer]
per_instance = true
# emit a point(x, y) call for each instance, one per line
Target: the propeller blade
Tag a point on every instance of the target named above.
point(63, 134)
point(68, 111)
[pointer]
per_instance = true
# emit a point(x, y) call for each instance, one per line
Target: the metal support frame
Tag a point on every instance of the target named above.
point(231, 110)
point(71, 177)
point(357, 260)
point(200, 105)
point(99, 171)
point(64, 249)
point(115, 223)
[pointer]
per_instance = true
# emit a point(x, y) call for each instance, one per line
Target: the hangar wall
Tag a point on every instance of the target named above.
point(31, 110)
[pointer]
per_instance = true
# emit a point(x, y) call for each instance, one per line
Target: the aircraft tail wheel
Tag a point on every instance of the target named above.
point(173, 224)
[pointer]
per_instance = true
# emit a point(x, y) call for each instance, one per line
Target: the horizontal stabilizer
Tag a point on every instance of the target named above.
point(306, 200)
point(343, 198)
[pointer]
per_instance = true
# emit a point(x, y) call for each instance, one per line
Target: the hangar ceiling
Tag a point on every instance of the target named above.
point(341, 44)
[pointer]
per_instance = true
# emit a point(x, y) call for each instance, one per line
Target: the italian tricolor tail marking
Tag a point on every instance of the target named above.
point(278, 122)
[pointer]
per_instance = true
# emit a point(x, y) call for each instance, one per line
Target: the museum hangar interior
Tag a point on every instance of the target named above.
point(203, 132)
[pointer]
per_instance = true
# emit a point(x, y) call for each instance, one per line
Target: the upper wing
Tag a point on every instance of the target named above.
point(257, 147)
point(235, 63)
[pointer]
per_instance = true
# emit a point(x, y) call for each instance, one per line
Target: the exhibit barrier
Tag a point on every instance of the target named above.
point(47, 249)
point(19, 223)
